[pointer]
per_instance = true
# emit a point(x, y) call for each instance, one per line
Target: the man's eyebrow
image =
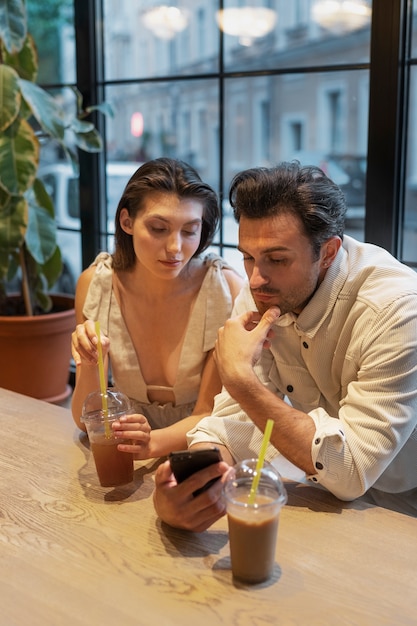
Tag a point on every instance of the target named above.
point(267, 250)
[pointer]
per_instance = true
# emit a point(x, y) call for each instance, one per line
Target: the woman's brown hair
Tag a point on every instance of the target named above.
point(167, 176)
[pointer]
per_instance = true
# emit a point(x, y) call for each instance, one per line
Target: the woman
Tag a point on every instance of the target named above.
point(160, 304)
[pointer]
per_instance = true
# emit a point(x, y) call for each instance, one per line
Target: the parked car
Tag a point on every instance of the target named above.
point(63, 188)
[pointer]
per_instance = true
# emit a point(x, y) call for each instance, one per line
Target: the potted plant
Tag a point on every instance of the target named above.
point(28, 244)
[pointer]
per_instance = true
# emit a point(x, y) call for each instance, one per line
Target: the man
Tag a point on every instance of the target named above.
point(323, 340)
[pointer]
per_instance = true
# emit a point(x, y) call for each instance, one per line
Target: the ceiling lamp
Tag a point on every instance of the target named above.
point(165, 21)
point(340, 16)
point(247, 23)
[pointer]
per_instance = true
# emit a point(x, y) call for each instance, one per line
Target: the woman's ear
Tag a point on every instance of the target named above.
point(126, 221)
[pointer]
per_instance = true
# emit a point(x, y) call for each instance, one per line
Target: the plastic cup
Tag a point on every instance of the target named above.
point(253, 524)
point(113, 467)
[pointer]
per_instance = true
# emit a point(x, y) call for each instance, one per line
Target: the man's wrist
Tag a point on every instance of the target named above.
point(243, 384)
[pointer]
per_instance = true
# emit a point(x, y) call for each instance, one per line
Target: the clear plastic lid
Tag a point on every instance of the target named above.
point(243, 474)
point(116, 401)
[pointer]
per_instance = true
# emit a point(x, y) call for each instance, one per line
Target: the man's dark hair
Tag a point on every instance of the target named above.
point(289, 187)
point(163, 175)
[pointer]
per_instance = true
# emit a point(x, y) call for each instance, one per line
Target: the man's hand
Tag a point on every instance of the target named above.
point(176, 505)
point(240, 343)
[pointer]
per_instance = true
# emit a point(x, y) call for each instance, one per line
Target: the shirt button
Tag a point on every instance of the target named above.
point(319, 466)
point(305, 344)
point(290, 388)
point(317, 441)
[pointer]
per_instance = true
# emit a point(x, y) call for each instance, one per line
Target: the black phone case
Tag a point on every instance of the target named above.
point(184, 463)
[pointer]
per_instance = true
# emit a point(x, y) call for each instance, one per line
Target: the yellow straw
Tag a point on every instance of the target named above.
point(255, 482)
point(103, 386)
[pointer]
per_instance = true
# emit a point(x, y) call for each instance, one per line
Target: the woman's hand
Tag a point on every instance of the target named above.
point(176, 505)
point(134, 428)
point(84, 343)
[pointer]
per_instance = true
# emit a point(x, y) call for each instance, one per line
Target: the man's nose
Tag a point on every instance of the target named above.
point(257, 278)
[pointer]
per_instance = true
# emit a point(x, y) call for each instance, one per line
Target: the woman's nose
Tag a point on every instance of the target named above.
point(174, 242)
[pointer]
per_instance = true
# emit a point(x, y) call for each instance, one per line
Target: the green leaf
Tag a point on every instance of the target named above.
point(43, 300)
point(13, 220)
point(90, 142)
point(45, 109)
point(72, 156)
point(14, 264)
point(19, 157)
point(79, 101)
point(41, 233)
point(6, 204)
point(52, 269)
point(25, 62)
point(79, 126)
point(10, 96)
point(42, 197)
point(4, 271)
point(105, 108)
point(13, 24)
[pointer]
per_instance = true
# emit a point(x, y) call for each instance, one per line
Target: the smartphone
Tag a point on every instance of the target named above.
point(184, 463)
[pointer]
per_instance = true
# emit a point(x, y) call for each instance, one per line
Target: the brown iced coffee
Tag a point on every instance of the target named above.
point(253, 523)
point(113, 467)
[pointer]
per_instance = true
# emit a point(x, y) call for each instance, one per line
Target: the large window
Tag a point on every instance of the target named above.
point(236, 89)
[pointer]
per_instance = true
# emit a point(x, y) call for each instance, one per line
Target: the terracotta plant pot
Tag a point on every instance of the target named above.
point(35, 352)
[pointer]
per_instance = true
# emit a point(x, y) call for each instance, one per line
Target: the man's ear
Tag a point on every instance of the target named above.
point(126, 221)
point(329, 250)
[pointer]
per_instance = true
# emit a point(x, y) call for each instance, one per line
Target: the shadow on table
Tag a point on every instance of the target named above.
point(186, 543)
point(318, 499)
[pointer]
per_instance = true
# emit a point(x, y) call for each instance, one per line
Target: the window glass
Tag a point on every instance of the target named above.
point(409, 224)
point(319, 119)
point(412, 17)
point(279, 34)
point(178, 119)
point(151, 38)
point(118, 174)
point(51, 23)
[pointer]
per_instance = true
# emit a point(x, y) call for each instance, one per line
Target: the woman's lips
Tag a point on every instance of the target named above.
point(173, 263)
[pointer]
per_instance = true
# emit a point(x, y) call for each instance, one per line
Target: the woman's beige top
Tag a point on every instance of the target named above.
point(212, 308)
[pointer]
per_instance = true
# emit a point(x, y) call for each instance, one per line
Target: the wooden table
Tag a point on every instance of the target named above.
point(74, 553)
